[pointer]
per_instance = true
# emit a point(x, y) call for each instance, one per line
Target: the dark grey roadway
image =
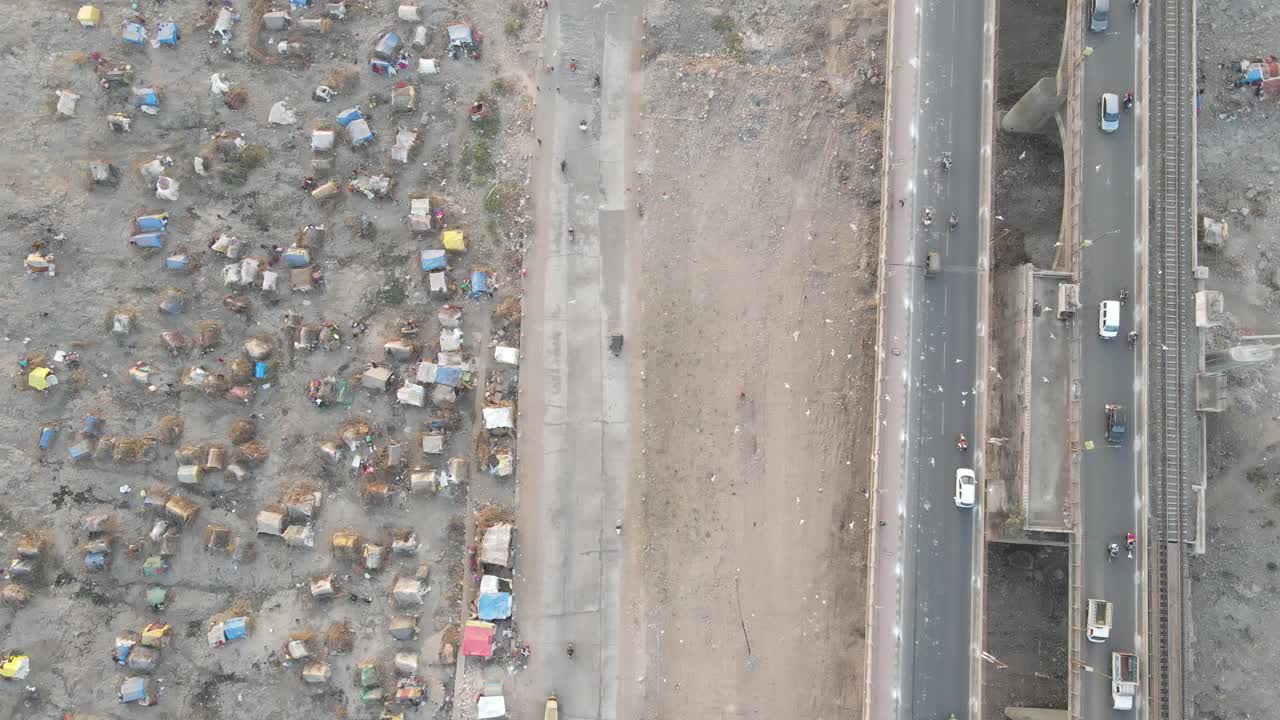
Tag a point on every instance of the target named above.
point(1109, 226)
point(939, 589)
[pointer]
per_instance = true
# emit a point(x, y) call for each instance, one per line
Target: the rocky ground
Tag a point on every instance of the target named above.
point(367, 284)
point(1235, 582)
point(760, 147)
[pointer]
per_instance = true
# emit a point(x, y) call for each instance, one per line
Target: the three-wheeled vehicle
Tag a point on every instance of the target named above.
point(932, 263)
point(552, 712)
point(1099, 620)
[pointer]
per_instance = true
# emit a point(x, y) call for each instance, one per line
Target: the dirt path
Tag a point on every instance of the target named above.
point(746, 577)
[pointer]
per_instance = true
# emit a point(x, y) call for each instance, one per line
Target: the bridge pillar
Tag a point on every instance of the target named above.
point(1035, 111)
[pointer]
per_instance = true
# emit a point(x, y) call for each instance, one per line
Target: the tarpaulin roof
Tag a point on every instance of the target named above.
point(453, 240)
point(495, 606)
point(495, 548)
point(491, 706)
point(39, 378)
point(477, 639)
point(450, 376)
point(459, 33)
point(497, 418)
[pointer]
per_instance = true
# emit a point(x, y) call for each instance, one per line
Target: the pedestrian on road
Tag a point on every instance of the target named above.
point(902, 203)
point(573, 65)
point(539, 142)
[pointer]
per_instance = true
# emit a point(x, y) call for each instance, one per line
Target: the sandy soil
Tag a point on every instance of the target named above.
point(1235, 583)
point(759, 152)
point(68, 624)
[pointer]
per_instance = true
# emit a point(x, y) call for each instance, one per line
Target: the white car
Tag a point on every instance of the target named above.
point(966, 488)
point(1108, 319)
point(1109, 112)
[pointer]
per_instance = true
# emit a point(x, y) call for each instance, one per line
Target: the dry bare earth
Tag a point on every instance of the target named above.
point(746, 579)
point(1235, 584)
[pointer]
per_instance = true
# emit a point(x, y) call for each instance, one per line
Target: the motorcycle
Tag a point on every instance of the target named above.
point(945, 162)
point(1128, 101)
point(1112, 551)
point(1129, 542)
point(1133, 339)
point(952, 221)
point(963, 443)
point(1124, 296)
point(927, 217)
point(569, 651)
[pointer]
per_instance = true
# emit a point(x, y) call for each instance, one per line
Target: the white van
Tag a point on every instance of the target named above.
point(1108, 319)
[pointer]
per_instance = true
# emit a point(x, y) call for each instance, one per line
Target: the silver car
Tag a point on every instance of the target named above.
point(1109, 112)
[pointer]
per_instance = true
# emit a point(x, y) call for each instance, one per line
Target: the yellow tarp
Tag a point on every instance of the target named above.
point(15, 666)
point(453, 241)
point(89, 16)
point(39, 378)
point(156, 634)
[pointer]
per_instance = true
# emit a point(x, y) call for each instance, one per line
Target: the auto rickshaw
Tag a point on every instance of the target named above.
point(553, 709)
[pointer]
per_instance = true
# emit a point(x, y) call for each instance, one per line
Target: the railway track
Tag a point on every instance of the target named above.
point(1170, 332)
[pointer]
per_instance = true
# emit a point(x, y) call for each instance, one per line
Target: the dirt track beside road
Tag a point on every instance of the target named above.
point(747, 521)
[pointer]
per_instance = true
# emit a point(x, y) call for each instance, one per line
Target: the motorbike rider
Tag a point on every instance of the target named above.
point(1128, 100)
point(952, 221)
point(928, 216)
point(582, 126)
point(1113, 550)
point(1124, 295)
point(569, 650)
point(946, 161)
point(1130, 540)
point(962, 443)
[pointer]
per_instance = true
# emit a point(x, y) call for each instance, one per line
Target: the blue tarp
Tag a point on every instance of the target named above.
point(297, 257)
point(146, 97)
point(480, 284)
point(95, 560)
point(133, 689)
point(346, 117)
point(235, 628)
point(433, 260)
point(134, 33)
point(148, 240)
point(93, 425)
point(495, 606)
point(448, 375)
point(387, 45)
point(47, 436)
point(168, 33)
point(260, 370)
point(79, 451)
point(359, 131)
point(152, 223)
point(177, 262)
point(1253, 75)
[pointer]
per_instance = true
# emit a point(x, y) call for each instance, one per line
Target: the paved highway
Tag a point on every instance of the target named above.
point(939, 586)
point(1109, 225)
point(573, 431)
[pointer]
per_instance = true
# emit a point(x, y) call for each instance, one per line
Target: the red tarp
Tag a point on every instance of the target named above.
point(477, 639)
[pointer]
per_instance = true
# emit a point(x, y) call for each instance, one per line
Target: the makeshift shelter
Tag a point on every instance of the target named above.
point(133, 33)
point(433, 260)
point(494, 606)
point(495, 547)
point(89, 16)
point(506, 355)
point(489, 707)
point(136, 689)
point(167, 33)
point(41, 378)
point(453, 241)
point(477, 639)
point(498, 418)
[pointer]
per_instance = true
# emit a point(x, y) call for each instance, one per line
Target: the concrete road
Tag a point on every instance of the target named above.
point(924, 547)
point(1109, 226)
point(949, 118)
point(573, 439)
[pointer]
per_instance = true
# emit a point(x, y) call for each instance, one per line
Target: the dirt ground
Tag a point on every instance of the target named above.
point(1234, 583)
point(369, 267)
point(1026, 627)
point(760, 148)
